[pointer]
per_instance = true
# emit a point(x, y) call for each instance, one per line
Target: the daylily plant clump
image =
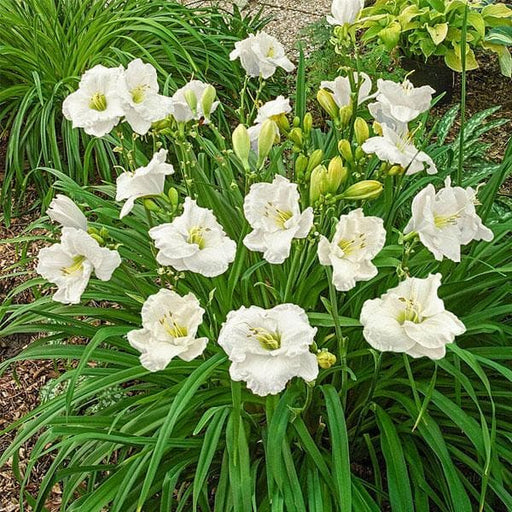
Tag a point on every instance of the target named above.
point(275, 296)
point(268, 347)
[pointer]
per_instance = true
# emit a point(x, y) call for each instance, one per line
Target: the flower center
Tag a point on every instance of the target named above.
point(279, 216)
point(98, 102)
point(195, 236)
point(410, 313)
point(271, 52)
point(350, 246)
point(76, 266)
point(441, 221)
point(267, 339)
point(139, 94)
point(172, 328)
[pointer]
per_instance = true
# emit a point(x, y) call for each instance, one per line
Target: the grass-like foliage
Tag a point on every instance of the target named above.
point(374, 431)
point(47, 44)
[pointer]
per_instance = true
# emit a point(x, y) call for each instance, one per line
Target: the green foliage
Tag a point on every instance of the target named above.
point(45, 45)
point(432, 29)
point(374, 431)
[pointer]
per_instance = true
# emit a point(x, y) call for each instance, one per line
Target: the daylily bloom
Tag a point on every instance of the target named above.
point(403, 102)
point(70, 264)
point(169, 328)
point(357, 240)
point(64, 211)
point(381, 112)
point(268, 347)
point(272, 110)
point(344, 11)
point(187, 102)
point(142, 103)
point(411, 318)
point(342, 90)
point(96, 106)
point(194, 241)
point(272, 210)
point(398, 149)
point(144, 181)
point(446, 220)
point(261, 55)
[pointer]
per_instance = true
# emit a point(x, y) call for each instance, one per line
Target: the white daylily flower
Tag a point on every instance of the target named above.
point(194, 241)
point(142, 103)
point(344, 11)
point(411, 318)
point(64, 211)
point(446, 220)
point(261, 55)
point(403, 102)
point(357, 240)
point(398, 149)
point(169, 328)
point(181, 109)
point(268, 347)
point(96, 106)
point(144, 181)
point(270, 110)
point(272, 210)
point(382, 114)
point(70, 263)
point(342, 90)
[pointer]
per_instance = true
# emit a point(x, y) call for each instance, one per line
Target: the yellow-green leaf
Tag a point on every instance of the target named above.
point(390, 35)
point(453, 60)
point(497, 11)
point(476, 21)
point(438, 32)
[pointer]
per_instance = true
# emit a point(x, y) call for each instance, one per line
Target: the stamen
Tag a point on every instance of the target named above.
point(279, 216)
point(139, 93)
point(172, 328)
point(76, 266)
point(98, 102)
point(411, 312)
point(267, 339)
point(195, 236)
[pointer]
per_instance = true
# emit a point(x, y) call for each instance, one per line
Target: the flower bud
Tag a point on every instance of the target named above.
point(301, 165)
point(241, 144)
point(307, 123)
point(266, 140)
point(98, 238)
point(367, 189)
point(325, 359)
point(282, 122)
point(361, 130)
point(161, 125)
point(315, 159)
point(296, 122)
point(377, 128)
point(150, 205)
point(346, 114)
point(207, 100)
point(326, 100)
point(318, 184)
point(191, 99)
point(295, 136)
point(104, 232)
point(345, 150)
point(336, 174)
point(396, 170)
point(173, 198)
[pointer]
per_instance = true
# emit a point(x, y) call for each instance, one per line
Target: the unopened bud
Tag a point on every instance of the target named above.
point(377, 128)
point(295, 136)
point(315, 159)
point(336, 174)
point(282, 123)
point(362, 130)
point(98, 238)
point(161, 125)
point(367, 189)
point(345, 150)
point(104, 232)
point(396, 170)
point(207, 100)
point(296, 122)
point(266, 140)
point(241, 144)
point(191, 99)
point(173, 198)
point(150, 205)
point(325, 359)
point(346, 114)
point(301, 165)
point(318, 184)
point(307, 123)
point(326, 100)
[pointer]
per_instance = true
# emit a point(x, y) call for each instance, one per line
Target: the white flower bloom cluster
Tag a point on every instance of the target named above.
point(396, 106)
point(70, 263)
point(446, 220)
point(260, 55)
point(106, 95)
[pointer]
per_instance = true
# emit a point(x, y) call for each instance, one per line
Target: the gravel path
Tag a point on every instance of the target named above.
point(289, 17)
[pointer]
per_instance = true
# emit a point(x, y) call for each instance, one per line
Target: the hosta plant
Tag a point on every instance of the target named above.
point(431, 30)
point(285, 318)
